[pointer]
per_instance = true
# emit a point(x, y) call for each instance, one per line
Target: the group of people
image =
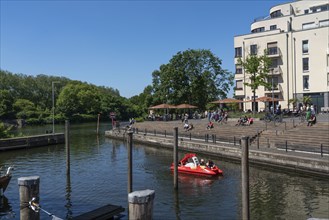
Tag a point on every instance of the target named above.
point(219, 116)
point(245, 121)
point(209, 164)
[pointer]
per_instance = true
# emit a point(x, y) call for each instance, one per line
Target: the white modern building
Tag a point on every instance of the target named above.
point(296, 37)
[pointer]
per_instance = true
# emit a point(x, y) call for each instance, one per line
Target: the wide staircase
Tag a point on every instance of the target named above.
point(291, 135)
point(300, 138)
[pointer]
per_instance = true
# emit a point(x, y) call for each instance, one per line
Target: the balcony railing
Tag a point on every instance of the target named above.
point(275, 71)
point(273, 52)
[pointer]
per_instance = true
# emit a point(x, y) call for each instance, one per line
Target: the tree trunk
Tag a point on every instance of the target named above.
point(254, 103)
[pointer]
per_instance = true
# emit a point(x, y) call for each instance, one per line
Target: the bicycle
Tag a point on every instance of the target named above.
point(272, 117)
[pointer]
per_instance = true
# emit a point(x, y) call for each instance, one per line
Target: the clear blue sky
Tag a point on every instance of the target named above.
point(118, 44)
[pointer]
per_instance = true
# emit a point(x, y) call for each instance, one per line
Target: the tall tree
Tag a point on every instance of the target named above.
point(256, 69)
point(192, 76)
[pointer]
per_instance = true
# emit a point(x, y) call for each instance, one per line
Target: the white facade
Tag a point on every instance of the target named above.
point(296, 36)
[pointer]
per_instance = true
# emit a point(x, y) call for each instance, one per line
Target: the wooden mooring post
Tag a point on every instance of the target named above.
point(67, 146)
point(175, 158)
point(28, 189)
point(245, 177)
point(130, 159)
point(141, 204)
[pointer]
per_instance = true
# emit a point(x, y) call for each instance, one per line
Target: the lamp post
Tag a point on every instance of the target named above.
point(272, 94)
point(53, 100)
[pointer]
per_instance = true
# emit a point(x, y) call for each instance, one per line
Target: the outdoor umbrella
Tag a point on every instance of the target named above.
point(162, 106)
point(228, 100)
point(186, 106)
point(267, 99)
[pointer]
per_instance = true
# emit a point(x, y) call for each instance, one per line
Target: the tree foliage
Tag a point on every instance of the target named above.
point(256, 69)
point(192, 76)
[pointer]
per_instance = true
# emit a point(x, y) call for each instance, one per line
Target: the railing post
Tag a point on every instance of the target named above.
point(268, 143)
point(286, 146)
point(234, 140)
point(257, 139)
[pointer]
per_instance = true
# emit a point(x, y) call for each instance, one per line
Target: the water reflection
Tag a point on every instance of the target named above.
point(6, 211)
point(100, 164)
point(68, 204)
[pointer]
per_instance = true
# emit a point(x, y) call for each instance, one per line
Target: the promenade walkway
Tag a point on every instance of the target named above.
point(291, 134)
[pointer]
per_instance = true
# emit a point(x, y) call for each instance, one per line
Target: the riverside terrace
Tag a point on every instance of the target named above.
point(287, 145)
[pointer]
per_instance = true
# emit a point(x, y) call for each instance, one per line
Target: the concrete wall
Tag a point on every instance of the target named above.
point(31, 141)
point(269, 157)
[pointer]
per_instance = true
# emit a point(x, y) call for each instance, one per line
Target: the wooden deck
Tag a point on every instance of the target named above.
point(103, 213)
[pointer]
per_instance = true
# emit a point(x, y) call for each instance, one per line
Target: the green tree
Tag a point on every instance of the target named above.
point(191, 76)
point(256, 69)
point(6, 104)
point(79, 98)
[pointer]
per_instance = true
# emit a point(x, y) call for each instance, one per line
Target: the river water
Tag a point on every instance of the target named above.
point(99, 177)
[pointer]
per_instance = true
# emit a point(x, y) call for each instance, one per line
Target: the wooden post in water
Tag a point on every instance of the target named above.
point(28, 188)
point(176, 158)
point(67, 145)
point(98, 124)
point(141, 204)
point(245, 177)
point(130, 159)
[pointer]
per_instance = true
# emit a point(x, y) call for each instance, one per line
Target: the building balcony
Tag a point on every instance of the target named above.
point(273, 52)
point(275, 71)
point(277, 90)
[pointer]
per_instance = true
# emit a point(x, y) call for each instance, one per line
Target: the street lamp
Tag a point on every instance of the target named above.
point(272, 94)
point(53, 99)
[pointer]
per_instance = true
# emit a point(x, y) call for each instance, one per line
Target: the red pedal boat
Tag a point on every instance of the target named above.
point(190, 164)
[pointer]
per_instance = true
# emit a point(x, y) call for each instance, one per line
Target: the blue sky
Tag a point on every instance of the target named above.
point(118, 44)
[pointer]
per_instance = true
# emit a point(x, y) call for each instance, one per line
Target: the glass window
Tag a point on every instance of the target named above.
point(305, 64)
point(253, 49)
point(272, 48)
point(239, 85)
point(276, 14)
point(238, 69)
point(256, 30)
point(305, 46)
point(306, 84)
point(324, 23)
point(306, 11)
point(273, 27)
point(308, 25)
point(238, 52)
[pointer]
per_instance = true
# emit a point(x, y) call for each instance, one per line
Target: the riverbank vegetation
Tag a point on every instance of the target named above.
point(193, 76)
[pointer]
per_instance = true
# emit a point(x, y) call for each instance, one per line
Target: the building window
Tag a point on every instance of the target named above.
point(238, 52)
point(306, 11)
point(239, 85)
point(272, 48)
point(273, 27)
point(253, 49)
point(274, 63)
point(276, 14)
point(306, 85)
point(305, 64)
point(305, 46)
point(308, 25)
point(256, 30)
point(238, 69)
point(324, 23)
